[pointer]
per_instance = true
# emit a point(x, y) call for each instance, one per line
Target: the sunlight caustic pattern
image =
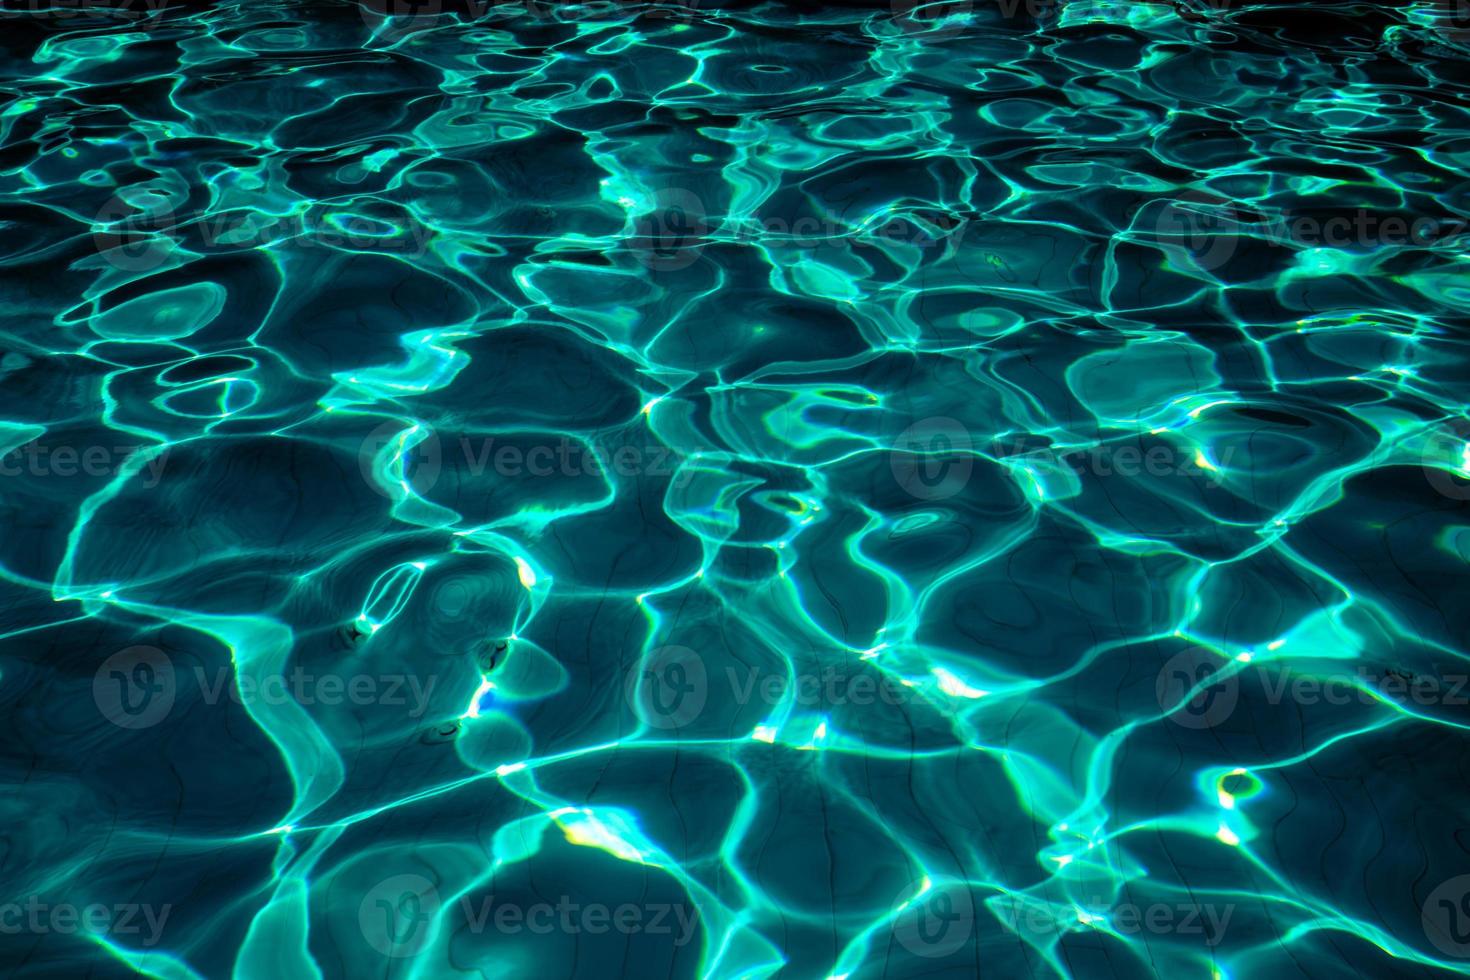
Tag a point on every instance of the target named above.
point(734, 490)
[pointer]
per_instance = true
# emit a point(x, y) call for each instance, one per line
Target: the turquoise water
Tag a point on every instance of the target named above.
point(734, 490)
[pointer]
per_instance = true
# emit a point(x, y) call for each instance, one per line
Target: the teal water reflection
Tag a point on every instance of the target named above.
point(676, 490)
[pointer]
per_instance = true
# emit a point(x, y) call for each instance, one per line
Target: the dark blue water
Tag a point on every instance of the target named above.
point(705, 490)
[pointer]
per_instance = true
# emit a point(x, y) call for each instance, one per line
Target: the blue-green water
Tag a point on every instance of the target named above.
point(734, 490)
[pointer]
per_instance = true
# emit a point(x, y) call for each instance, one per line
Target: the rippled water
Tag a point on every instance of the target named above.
point(721, 491)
